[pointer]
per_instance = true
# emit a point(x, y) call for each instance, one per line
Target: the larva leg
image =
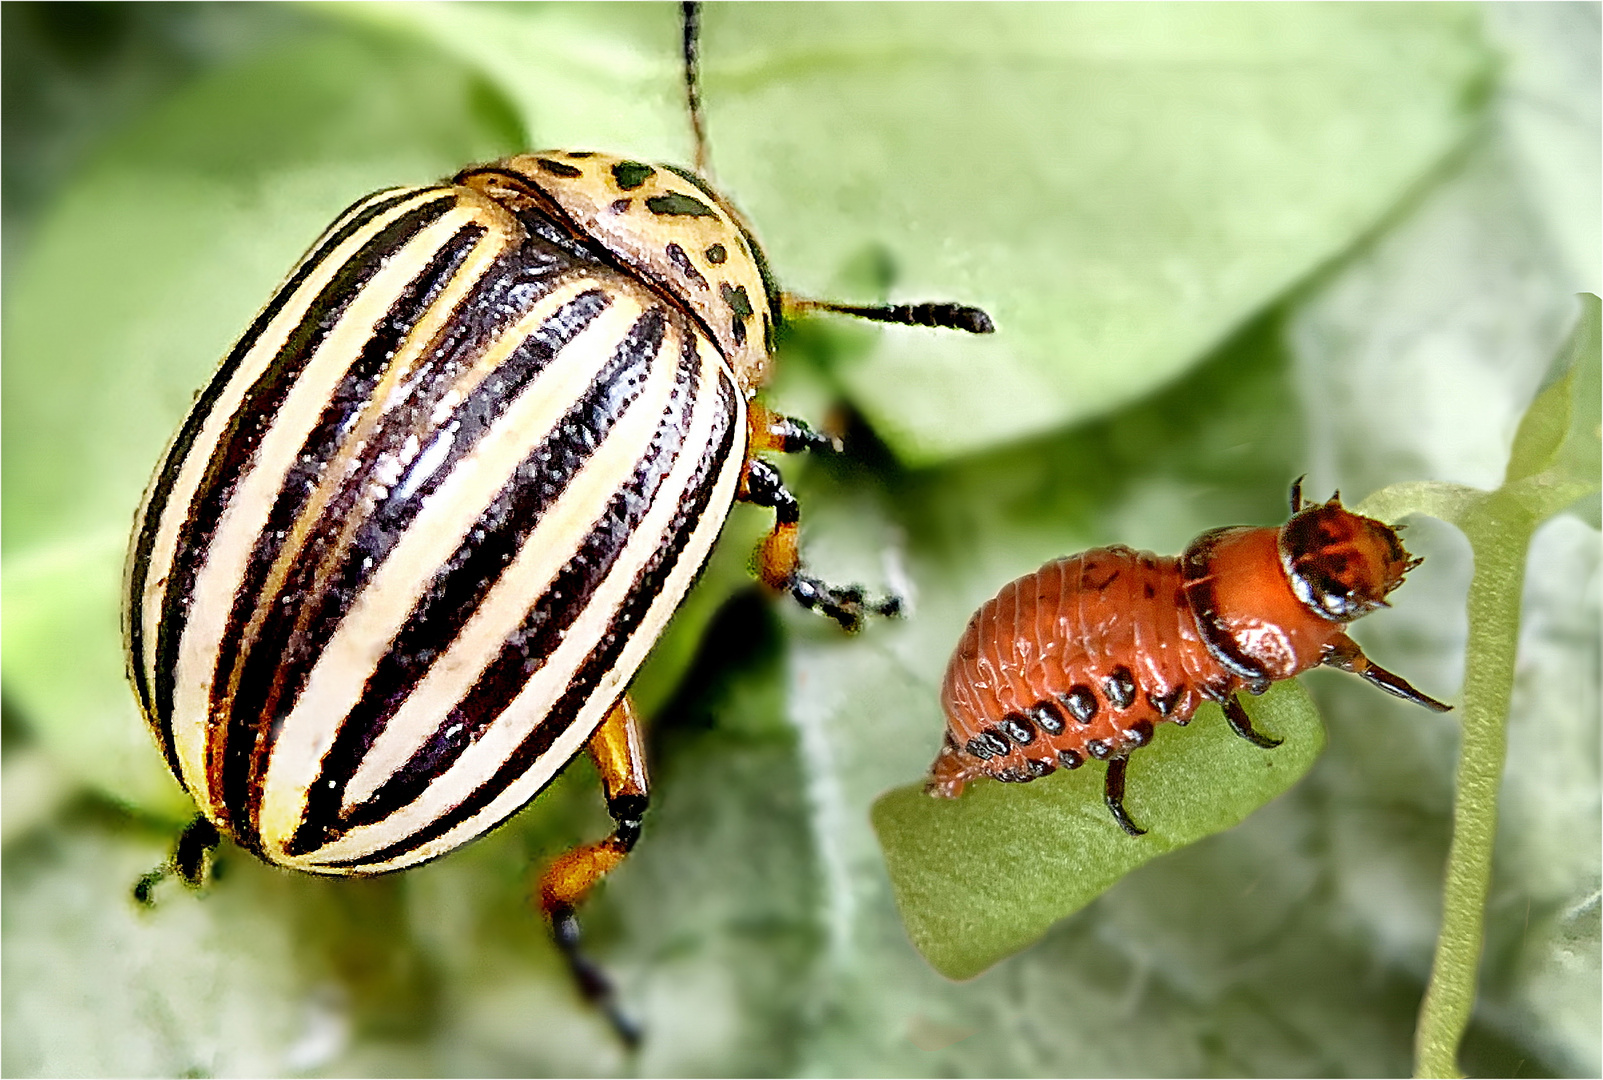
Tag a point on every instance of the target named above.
point(1241, 724)
point(779, 562)
point(949, 773)
point(1113, 795)
point(1345, 655)
point(619, 754)
point(190, 860)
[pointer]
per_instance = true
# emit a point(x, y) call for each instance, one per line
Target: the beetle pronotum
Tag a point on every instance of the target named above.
point(414, 538)
point(1081, 658)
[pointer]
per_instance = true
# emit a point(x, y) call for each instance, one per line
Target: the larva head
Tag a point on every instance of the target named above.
point(662, 224)
point(1341, 565)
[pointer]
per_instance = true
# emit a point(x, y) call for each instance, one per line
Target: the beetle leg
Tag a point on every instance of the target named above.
point(1345, 655)
point(619, 754)
point(779, 562)
point(1241, 724)
point(1113, 795)
point(190, 859)
point(786, 434)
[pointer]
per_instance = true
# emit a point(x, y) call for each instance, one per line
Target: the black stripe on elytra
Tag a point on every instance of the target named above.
point(354, 535)
point(378, 535)
point(350, 222)
point(644, 593)
point(543, 628)
point(475, 567)
point(252, 672)
point(250, 422)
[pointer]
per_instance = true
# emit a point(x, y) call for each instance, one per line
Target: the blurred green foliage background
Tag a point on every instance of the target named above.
point(1225, 246)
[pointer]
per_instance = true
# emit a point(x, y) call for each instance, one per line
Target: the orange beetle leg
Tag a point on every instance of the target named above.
point(619, 754)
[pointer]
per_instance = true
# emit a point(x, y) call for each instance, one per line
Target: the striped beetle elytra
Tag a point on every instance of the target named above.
point(416, 535)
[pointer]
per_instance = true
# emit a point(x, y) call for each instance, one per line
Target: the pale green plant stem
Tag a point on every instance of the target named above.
point(1553, 463)
point(1499, 530)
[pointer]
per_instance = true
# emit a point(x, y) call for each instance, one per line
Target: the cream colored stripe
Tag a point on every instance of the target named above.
point(534, 703)
point(226, 557)
point(382, 608)
point(248, 371)
point(544, 553)
point(595, 709)
point(189, 731)
point(393, 387)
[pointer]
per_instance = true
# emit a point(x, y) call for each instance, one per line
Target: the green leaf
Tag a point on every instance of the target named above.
point(1558, 439)
point(1131, 186)
point(981, 877)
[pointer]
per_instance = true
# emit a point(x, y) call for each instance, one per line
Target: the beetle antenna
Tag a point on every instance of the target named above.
point(1296, 493)
point(691, 12)
point(941, 316)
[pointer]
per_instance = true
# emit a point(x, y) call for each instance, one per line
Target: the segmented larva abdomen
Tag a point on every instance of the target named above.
point(1085, 656)
point(1077, 660)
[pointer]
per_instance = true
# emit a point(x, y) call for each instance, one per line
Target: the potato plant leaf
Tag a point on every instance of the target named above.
point(1119, 188)
point(982, 876)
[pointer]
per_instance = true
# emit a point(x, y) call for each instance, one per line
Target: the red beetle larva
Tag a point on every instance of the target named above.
point(1083, 657)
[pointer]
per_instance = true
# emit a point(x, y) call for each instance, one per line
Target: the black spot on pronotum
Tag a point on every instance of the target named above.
point(620, 205)
point(980, 749)
point(678, 204)
point(558, 168)
point(735, 296)
point(682, 263)
point(629, 175)
point(716, 254)
point(581, 153)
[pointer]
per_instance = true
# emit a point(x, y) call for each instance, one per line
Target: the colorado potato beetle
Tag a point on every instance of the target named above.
point(419, 531)
point(1083, 657)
